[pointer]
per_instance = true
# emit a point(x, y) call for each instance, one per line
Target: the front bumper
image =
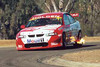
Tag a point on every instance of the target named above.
point(56, 42)
point(30, 47)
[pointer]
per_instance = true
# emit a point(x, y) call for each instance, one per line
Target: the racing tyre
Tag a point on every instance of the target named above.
point(78, 38)
point(64, 40)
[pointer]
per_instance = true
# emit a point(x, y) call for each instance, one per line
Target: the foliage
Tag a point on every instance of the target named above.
point(14, 13)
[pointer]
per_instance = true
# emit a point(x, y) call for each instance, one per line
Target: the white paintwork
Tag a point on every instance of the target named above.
point(39, 30)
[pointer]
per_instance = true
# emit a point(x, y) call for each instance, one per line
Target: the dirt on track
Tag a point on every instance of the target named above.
point(92, 39)
point(92, 56)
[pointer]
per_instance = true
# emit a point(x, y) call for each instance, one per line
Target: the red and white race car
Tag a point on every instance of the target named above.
point(49, 30)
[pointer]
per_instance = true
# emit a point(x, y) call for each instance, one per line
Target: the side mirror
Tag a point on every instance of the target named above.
point(22, 26)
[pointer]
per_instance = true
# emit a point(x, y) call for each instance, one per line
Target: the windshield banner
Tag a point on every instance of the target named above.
point(45, 16)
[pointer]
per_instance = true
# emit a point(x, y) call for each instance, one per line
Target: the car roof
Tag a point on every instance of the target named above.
point(52, 13)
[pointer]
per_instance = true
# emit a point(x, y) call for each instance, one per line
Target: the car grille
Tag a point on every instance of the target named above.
point(31, 35)
point(37, 35)
point(36, 45)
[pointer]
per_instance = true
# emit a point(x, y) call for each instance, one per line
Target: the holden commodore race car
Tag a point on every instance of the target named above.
point(48, 30)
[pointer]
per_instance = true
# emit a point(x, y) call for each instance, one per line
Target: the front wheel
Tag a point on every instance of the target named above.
point(64, 39)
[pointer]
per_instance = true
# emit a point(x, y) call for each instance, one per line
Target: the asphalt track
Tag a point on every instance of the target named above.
point(10, 57)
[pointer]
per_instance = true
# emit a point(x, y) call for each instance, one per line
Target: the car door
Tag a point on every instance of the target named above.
point(67, 27)
point(73, 26)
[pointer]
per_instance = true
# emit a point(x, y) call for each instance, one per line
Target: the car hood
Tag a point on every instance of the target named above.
point(41, 28)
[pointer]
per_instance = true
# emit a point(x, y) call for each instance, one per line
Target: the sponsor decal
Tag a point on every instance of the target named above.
point(47, 16)
point(32, 41)
point(35, 41)
point(75, 14)
point(54, 43)
point(28, 40)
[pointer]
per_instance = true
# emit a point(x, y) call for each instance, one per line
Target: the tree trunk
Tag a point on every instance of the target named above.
point(61, 4)
point(71, 6)
point(54, 5)
point(48, 7)
point(66, 8)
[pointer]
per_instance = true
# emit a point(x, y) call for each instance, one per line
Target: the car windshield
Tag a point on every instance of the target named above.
point(44, 21)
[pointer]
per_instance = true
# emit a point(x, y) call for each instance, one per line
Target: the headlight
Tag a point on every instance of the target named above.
point(21, 36)
point(52, 34)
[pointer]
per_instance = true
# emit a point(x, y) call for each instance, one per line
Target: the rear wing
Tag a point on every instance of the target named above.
point(74, 14)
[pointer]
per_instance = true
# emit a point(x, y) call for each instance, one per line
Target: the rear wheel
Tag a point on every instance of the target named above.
point(78, 38)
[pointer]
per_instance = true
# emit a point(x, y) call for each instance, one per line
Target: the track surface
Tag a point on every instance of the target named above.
point(10, 57)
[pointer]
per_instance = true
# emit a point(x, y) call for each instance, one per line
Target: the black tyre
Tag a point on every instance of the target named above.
point(78, 38)
point(64, 39)
point(79, 35)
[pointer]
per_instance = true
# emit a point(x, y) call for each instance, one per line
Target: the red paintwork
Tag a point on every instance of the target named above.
point(22, 26)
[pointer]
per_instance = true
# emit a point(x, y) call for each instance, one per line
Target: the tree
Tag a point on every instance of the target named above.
point(14, 13)
point(60, 7)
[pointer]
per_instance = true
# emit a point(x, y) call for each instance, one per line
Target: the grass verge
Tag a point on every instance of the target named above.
point(7, 43)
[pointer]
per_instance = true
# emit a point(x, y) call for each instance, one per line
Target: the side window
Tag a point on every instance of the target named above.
point(71, 19)
point(66, 20)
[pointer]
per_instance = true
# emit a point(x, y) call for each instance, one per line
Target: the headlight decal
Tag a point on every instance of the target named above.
point(52, 34)
point(21, 36)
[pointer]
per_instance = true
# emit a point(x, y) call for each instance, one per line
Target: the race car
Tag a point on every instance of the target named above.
point(49, 30)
